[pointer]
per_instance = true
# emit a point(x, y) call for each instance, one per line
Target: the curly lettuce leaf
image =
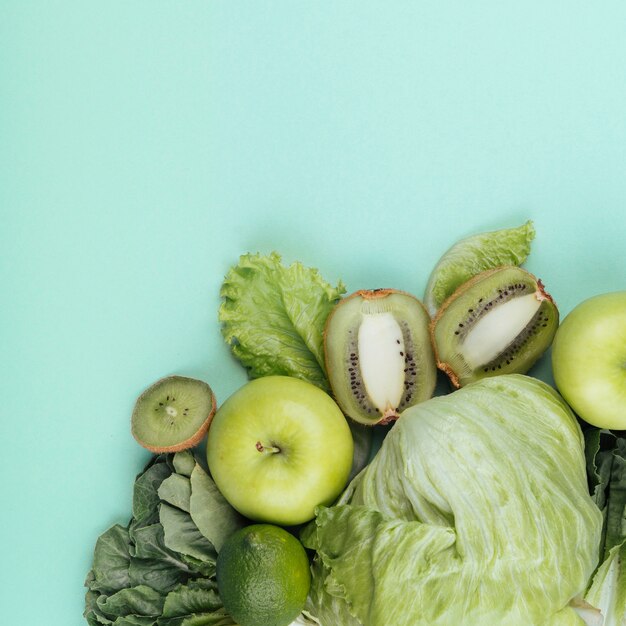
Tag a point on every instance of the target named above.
point(273, 317)
point(475, 254)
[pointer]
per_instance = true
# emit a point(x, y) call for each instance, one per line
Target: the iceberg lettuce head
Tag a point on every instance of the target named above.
point(474, 512)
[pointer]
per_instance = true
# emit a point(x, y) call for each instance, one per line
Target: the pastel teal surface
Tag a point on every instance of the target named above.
point(145, 145)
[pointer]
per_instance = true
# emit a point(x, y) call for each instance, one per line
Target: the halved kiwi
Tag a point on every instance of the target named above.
point(173, 414)
point(499, 322)
point(379, 358)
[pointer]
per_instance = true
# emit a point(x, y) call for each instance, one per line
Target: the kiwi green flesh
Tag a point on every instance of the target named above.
point(379, 357)
point(173, 414)
point(500, 324)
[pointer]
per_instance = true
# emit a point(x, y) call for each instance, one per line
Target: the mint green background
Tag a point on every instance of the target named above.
point(145, 145)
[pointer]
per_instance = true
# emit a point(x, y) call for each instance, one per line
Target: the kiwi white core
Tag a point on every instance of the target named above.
point(381, 360)
point(171, 411)
point(498, 328)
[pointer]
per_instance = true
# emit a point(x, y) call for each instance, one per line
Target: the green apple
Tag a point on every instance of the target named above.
point(279, 447)
point(589, 360)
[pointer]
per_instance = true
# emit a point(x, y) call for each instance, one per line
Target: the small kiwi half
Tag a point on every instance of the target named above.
point(499, 322)
point(379, 358)
point(173, 414)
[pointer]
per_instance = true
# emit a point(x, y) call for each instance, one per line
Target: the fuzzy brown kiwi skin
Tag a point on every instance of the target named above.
point(363, 293)
point(191, 442)
point(367, 294)
point(442, 365)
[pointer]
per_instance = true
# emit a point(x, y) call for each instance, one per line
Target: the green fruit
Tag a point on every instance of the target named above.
point(279, 447)
point(589, 360)
point(173, 414)
point(263, 576)
point(379, 357)
point(499, 322)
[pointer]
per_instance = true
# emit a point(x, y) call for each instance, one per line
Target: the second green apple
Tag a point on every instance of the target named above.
point(589, 360)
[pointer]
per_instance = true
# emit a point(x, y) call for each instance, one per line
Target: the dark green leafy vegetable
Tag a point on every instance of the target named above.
point(606, 468)
point(190, 599)
point(159, 570)
point(209, 510)
point(363, 444)
point(145, 494)
point(184, 462)
point(139, 600)
point(111, 560)
point(154, 564)
point(182, 535)
point(176, 490)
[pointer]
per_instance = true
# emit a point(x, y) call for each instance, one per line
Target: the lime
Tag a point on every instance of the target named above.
point(263, 576)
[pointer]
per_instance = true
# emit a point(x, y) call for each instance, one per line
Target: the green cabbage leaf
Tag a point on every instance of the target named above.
point(475, 511)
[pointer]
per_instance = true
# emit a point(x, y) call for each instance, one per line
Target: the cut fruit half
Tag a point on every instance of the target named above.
point(499, 322)
point(379, 357)
point(173, 414)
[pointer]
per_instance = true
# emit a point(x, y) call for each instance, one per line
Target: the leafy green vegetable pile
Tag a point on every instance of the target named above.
point(485, 506)
point(160, 568)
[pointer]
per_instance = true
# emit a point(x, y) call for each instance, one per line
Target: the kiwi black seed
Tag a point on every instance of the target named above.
point(379, 356)
point(173, 414)
point(499, 322)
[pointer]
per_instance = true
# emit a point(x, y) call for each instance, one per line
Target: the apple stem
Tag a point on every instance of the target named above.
point(261, 448)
